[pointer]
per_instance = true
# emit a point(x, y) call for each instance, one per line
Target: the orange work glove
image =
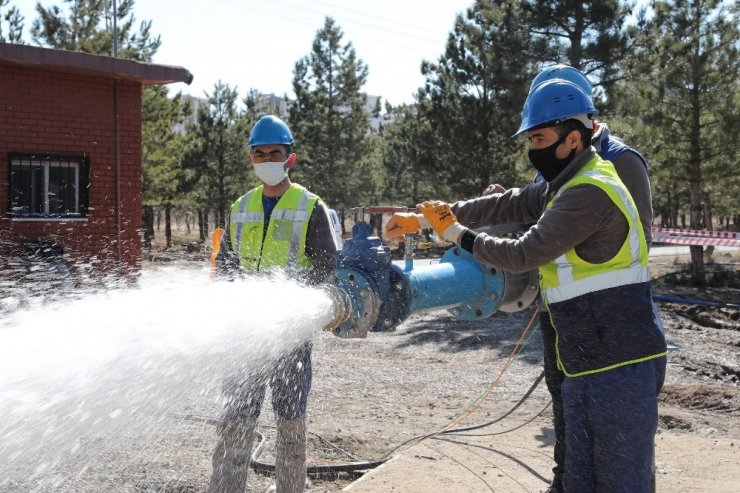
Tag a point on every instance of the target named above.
point(442, 219)
point(402, 223)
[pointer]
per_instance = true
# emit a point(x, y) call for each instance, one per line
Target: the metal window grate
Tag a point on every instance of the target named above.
point(48, 185)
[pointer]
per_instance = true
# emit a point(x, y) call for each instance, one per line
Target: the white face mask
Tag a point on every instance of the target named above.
point(271, 173)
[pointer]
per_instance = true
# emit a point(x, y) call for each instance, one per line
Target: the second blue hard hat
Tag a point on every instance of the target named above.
point(565, 72)
point(555, 101)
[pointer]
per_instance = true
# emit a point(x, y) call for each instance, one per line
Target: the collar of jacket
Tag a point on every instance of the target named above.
point(579, 161)
point(601, 134)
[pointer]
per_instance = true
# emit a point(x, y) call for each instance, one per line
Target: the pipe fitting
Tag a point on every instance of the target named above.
point(341, 306)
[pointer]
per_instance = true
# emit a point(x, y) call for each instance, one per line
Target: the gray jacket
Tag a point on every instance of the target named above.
point(584, 218)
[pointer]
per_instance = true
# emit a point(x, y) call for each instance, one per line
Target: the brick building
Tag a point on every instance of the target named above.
point(70, 152)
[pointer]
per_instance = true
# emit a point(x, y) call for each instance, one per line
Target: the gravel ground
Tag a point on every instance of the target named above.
point(371, 395)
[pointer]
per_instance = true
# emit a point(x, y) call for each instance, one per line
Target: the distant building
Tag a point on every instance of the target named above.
point(70, 152)
point(280, 106)
point(275, 105)
point(192, 118)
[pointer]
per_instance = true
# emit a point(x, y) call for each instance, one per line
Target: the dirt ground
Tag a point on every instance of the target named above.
point(372, 395)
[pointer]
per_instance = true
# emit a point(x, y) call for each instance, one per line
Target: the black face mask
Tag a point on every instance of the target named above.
point(547, 163)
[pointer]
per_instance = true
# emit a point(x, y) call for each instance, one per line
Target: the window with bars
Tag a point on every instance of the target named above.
point(48, 185)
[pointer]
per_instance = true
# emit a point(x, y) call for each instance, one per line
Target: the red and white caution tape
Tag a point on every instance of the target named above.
point(733, 235)
point(699, 237)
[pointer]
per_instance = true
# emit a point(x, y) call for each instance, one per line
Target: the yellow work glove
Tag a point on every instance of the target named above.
point(402, 223)
point(442, 219)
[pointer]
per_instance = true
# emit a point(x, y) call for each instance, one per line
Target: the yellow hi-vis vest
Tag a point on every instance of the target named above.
point(569, 276)
point(284, 243)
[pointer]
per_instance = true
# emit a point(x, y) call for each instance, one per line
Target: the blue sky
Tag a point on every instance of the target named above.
point(255, 43)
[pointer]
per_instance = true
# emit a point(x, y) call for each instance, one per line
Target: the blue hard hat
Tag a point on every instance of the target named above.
point(270, 130)
point(565, 72)
point(555, 101)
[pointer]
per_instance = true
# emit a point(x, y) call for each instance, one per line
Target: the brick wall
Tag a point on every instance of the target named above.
point(51, 112)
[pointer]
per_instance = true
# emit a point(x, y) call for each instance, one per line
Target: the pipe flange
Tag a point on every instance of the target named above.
point(520, 290)
point(364, 305)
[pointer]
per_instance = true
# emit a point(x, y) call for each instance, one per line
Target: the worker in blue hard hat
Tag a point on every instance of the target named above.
point(632, 169)
point(631, 165)
point(587, 242)
point(255, 240)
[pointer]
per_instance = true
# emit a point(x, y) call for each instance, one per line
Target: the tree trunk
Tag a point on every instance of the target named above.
point(694, 164)
point(201, 227)
point(148, 226)
point(203, 224)
point(708, 223)
point(168, 225)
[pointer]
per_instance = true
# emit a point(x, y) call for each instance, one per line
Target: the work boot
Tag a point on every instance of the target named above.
point(290, 456)
point(232, 455)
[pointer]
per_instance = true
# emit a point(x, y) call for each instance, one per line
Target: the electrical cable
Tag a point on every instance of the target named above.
point(384, 20)
point(477, 402)
point(503, 416)
point(423, 50)
point(454, 431)
point(476, 405)
point(505, 431)
point(263, 467)
point(374, 27)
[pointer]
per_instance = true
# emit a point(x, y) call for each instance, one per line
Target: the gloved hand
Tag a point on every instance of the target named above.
point(442, 219)
point(493, 188)
point(402, 223)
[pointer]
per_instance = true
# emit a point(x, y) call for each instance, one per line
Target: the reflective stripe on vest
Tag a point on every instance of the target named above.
point(569, 276)
point(283, 243)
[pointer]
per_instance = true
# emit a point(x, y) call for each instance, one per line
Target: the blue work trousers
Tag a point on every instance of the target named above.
point(611, 418)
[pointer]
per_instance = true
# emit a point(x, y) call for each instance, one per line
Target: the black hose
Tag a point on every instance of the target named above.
point(521, 401)
point(264, 467)
point(505, 431)
point(454, 430)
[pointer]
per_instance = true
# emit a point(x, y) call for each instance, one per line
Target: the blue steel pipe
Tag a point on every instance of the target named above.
point(457, 281)
point(374, 295)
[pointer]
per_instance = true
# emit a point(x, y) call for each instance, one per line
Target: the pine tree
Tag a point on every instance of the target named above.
point(405, 153)
point(688, 94)
point(219, 157)
point(87, 26)
point(473, 99)
point(162, 157)
point(12, 30)
point(329, 121)
point(589, 36)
